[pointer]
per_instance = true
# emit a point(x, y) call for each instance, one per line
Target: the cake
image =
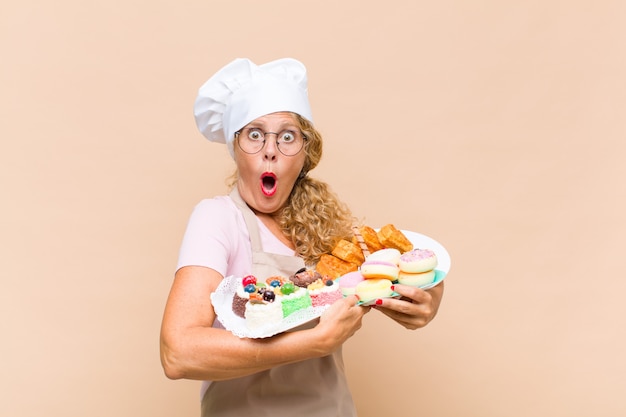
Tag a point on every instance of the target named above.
point(297, 300)
point(267, 303)
point(242, 294)
point(324, 292)
point(240, 299)
point(263, 313)
point(303, 277)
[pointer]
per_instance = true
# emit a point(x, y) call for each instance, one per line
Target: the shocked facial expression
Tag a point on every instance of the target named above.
point(267, 177)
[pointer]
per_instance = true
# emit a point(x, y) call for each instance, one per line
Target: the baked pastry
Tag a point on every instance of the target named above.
point(370, 238)
point(390, 237)
point(332, 267)
point(348, 252)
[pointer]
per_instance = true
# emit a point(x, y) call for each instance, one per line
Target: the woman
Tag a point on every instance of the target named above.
point(276, 220)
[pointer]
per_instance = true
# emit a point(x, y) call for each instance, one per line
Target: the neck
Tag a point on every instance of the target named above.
point(270, 220)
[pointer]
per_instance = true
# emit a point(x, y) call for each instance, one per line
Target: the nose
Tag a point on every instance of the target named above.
point(270, 150)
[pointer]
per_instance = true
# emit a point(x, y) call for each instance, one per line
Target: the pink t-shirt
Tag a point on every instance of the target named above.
point(217, 237)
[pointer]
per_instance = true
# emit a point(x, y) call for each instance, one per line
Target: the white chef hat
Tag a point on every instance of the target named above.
point(243, 91)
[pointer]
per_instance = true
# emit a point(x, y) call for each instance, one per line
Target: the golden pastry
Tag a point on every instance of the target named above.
point(333, 267)
point(369, 237)
point(349, 252)
point(390, 237)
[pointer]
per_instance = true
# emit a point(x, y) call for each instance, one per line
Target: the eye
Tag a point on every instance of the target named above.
point(287, 136)
point(255, 134)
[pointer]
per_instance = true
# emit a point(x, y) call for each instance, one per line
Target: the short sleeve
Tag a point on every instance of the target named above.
point(212, 236)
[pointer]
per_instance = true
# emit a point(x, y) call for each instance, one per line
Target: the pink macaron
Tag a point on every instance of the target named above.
point(349, 281)
point(380, 269)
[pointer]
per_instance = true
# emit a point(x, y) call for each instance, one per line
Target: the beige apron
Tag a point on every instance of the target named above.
point(311, 388)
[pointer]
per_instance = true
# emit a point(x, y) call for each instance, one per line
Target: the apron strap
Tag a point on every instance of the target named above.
point(250, 219)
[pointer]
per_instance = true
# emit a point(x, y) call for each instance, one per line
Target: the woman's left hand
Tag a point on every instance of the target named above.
point(415, 309)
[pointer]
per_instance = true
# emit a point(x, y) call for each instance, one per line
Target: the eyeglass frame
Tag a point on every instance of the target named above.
point(237, 133)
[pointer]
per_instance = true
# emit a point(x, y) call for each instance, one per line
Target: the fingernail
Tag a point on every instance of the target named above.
point(393, 288)
point(379, 302)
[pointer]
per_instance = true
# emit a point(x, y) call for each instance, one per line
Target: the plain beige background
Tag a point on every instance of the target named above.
point(495, 127)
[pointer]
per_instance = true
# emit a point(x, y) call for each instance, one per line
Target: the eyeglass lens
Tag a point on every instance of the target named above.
point(288, 142)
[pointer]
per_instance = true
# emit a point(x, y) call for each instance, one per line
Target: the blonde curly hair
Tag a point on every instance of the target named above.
point(315, 219)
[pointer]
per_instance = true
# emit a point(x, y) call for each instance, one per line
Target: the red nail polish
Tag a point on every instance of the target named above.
point(393, 288)
point(379, 302)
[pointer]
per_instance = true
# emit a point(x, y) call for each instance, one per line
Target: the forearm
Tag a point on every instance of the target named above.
point(216, 354)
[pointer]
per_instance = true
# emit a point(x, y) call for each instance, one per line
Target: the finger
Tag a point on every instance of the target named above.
point(400, 318)
point(399, 307)
point(416, 294)
point(407, 321)
point(352, 300)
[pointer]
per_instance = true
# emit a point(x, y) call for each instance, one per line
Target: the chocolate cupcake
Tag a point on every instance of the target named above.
point(239, 304)
point(303, 277)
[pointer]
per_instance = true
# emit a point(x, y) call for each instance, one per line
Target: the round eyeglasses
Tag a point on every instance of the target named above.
point(252, 139)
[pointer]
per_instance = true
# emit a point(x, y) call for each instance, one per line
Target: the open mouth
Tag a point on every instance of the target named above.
point(268, 183)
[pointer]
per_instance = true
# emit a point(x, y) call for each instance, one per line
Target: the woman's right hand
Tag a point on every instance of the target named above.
point(340, 321)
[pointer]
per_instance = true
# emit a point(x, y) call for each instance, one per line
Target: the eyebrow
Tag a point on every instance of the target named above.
point(254, 125)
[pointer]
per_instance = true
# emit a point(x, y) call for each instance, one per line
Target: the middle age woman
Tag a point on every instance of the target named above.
point(276, 220)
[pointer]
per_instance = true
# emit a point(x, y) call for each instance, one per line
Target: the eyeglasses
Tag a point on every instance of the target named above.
point(252, 139)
